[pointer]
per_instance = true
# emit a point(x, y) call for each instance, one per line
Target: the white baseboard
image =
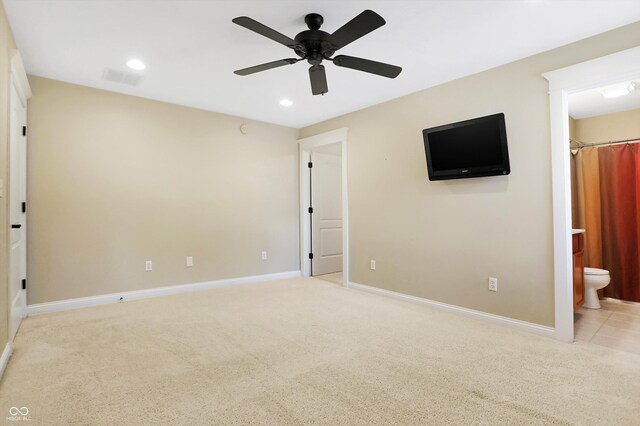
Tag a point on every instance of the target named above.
point(83, 302)
point(4, 359)
point(471, 313)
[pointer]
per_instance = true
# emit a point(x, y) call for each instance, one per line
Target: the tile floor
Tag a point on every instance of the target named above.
point(335, 278)
point(615, 325)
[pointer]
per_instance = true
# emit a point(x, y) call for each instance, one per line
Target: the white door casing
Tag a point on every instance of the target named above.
point(19, 92)
point(326, 220)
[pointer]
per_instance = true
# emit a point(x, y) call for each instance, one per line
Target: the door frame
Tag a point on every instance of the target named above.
point(306, 145)
point(610, 69)
point(19, 81)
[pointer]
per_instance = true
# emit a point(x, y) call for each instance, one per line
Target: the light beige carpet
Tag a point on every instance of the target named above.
point(304, 351)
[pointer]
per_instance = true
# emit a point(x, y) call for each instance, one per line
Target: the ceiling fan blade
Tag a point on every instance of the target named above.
point(361, 25)
point(373, 67)
point(255, 26)
point(318, 80)
point(267, 66)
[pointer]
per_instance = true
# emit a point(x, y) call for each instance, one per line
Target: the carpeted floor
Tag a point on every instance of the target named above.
point(305, 351)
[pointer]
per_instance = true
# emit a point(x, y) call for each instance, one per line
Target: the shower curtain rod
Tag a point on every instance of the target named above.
point(587, 145)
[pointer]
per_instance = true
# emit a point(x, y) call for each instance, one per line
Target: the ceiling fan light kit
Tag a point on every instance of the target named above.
point(315, 46)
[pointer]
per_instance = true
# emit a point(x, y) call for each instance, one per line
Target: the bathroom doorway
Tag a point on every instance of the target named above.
point(607, 70)
point(604, 144)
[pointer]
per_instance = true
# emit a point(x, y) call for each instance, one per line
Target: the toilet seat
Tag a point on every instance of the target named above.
point(595, 271)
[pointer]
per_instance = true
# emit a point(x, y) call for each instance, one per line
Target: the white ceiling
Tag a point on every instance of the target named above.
point(591, 103)
point(191, 48)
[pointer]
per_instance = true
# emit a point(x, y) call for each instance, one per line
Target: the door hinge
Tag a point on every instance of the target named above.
point(24, 207)
point(24, 130)
point(24, 284)
point(310, 210)
point(310, 255)
point(310, 164)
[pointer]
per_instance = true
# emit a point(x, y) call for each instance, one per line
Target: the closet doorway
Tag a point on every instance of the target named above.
point(19, 93)
point(325, 212)
point(323, 207)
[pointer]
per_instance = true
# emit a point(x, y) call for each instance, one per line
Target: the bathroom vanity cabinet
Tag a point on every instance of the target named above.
point(578, 270)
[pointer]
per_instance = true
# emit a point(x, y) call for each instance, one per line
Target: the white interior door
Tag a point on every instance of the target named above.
point(326, 220)
point(17, 211)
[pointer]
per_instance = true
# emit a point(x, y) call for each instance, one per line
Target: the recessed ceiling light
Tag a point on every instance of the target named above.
point(286, 103)
point(615, 91)
point(136, 64)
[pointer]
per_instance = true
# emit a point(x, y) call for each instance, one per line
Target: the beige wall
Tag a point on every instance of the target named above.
point(442, 240)
point(610, 127)
point(115, 180)
point(7, 49)
point(572, 128)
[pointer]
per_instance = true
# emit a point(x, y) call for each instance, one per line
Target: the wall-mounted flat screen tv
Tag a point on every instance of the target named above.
point(469, 148)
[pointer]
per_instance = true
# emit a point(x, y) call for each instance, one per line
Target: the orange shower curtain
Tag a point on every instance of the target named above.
point(606, 202)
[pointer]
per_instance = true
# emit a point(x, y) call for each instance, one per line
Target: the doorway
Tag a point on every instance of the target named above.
point(604, 71)
point(605, 154)
point(19, 92)
point(323, 207)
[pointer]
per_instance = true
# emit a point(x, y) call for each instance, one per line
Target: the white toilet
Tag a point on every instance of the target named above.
point(594, 280)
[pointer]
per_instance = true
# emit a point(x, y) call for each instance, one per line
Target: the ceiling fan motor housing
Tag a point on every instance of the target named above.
point(314, 44)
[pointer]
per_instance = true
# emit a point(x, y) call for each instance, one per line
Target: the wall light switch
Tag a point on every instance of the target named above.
point(148, 265)
point(189, 261)
point(264, 255)
point(372, 264)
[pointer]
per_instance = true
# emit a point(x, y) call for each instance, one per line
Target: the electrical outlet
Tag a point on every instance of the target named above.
point(148, 265)
point(493, 284)
point(372, 264)
point(264, 255)
point(189, 261)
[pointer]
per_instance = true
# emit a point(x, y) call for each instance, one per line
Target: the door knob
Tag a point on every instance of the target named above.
point(16, 226)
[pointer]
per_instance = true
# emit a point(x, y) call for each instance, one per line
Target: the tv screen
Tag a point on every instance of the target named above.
point(469, 148)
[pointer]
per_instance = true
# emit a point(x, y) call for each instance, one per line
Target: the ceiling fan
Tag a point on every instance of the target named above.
point(315, 45)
